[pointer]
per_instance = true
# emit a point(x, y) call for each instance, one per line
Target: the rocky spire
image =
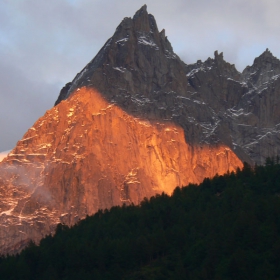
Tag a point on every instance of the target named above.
point(141, 20)
point(264, 67)
point(266, 58)
point(218, 57)
point(136, 61)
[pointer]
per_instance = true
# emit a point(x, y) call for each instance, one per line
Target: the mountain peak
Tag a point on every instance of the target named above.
point(264, 67)
point(267, 53)
point(218, 56)
point(142, 11)
point(135, 52)
point(141, 22)
point(265, 57)
point(144, 22)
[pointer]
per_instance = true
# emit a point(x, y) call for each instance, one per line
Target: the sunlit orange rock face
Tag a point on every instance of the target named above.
point(87, 154)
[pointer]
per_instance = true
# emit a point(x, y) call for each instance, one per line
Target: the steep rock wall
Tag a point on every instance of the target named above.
point(86, 154)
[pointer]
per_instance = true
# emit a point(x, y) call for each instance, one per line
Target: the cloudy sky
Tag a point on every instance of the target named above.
point(43, 44)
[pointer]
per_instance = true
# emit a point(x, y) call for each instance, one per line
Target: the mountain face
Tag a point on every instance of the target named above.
point(214, 103)
point(136, 121)
point(87, 154)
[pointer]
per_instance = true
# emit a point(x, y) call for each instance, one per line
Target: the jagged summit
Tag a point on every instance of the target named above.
point(136, 48)
point(263, 69)
point(141, 21)
point(141, 11)
point(138, 70)
point(218, 56)
point(265, 57)
point(144, 22)
point(147, 79)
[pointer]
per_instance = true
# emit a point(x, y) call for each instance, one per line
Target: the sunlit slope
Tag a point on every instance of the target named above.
point(86, 154)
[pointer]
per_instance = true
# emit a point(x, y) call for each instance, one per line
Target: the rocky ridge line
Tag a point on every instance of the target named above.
point(213, 102)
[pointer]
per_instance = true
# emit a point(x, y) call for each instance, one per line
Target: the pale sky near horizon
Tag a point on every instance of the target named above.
point(43, 44)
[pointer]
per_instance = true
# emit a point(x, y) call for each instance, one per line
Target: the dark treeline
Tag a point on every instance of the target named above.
point(225, 228)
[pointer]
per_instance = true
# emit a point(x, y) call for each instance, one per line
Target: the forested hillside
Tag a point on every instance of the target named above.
point(225, 228)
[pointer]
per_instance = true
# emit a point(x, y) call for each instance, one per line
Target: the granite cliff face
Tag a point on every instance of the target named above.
point(134, 122)
point(87, 154)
